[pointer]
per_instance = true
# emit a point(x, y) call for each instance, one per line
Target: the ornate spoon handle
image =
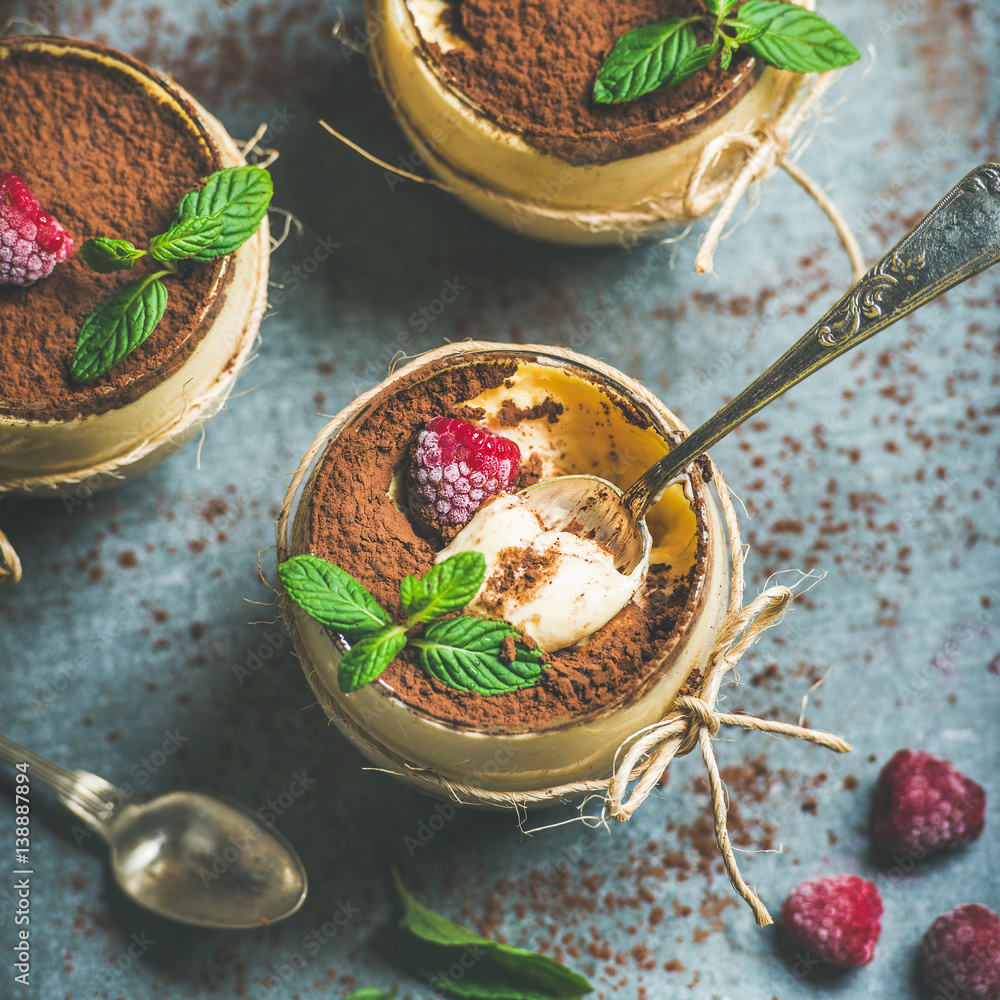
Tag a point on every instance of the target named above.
point(958, 238)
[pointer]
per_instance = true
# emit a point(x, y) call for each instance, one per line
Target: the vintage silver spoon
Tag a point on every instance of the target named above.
point(184, 855)
point(958, 238)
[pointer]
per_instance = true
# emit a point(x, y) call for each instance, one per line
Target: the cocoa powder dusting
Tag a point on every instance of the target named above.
point(531, 66)
point(352, 522)
point(106, 159)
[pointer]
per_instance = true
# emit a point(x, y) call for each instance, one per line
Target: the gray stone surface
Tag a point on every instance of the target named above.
point(142, 610)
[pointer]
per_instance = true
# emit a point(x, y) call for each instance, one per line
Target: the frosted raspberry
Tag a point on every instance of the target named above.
point(455, 467)
point(922, 804)
point(960, 953)
point(31, 241)
point(835, 919)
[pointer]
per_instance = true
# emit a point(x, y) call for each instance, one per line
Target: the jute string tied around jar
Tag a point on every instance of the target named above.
point(640, 760)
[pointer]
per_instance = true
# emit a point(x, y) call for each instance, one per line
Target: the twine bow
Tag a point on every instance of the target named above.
point(766, 146)
point(693, 722)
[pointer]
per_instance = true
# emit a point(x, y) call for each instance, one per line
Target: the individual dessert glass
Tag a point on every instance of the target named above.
point(110, 146)
point(569, 414)
point(579, 184)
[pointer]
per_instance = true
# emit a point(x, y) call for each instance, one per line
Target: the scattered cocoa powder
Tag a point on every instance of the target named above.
point(106, 159)
point(352, 522)
point(531, 67)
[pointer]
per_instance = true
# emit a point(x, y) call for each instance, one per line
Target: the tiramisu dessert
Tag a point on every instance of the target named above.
point(583, 122)
point(434, 610)
point(133, 264)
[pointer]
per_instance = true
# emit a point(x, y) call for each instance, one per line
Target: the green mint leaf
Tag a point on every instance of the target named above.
point(719, 7)
point(464, 653)
point(726, 56)
point(796, 39)
point(750, 32)
point(331, 596)
point(644, 60)
point(448, 587)
point(431, 944)
point(186, 238)
point(694, 62)
point(117, 327)
point(238, 197)
point(372, 993)
point(104, 255)
point(369, 656)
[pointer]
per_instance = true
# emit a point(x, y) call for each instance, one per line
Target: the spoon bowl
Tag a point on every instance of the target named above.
point(594, 508)
point(205, 861)
point(191, 857)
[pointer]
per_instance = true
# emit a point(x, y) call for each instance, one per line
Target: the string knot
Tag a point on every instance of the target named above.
point(700, 715)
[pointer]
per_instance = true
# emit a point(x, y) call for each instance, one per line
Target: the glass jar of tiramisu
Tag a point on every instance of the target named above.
point(567, 413)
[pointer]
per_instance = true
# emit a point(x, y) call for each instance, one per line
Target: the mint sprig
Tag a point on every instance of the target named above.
point(664, 54)
point(430, 945)
point(211, 222)
point(467, 653)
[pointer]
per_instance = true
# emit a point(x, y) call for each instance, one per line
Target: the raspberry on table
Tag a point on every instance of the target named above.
point(455, 467)
point(32, 242)
point(960, 953)
point(835, 918)
point(923, 804)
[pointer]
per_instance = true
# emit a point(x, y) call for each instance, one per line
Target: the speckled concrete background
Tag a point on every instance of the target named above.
point(136, 617)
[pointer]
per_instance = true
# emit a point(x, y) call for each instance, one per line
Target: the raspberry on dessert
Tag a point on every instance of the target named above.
point(32, 242)
point(960, 953)
point(922, 804)
point(454, 467)
point(835, 918)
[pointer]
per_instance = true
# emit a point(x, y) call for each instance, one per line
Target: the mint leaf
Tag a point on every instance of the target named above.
point(719, 7)
point(186, 238)
point(331, 596)
point(117, 327)
point(369, 656)
point(238, 197)
point(643, 60)
point(372, 993)
point(694, 62)
point(464, 653)
point(448, 586)
point(105, 256)
point(796, 39)
point(430, 945)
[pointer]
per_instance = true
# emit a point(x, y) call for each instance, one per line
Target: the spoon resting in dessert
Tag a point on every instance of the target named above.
point(187, 856)
point(958, 238)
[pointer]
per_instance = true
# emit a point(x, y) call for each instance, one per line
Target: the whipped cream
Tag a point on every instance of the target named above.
point(556, 586)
